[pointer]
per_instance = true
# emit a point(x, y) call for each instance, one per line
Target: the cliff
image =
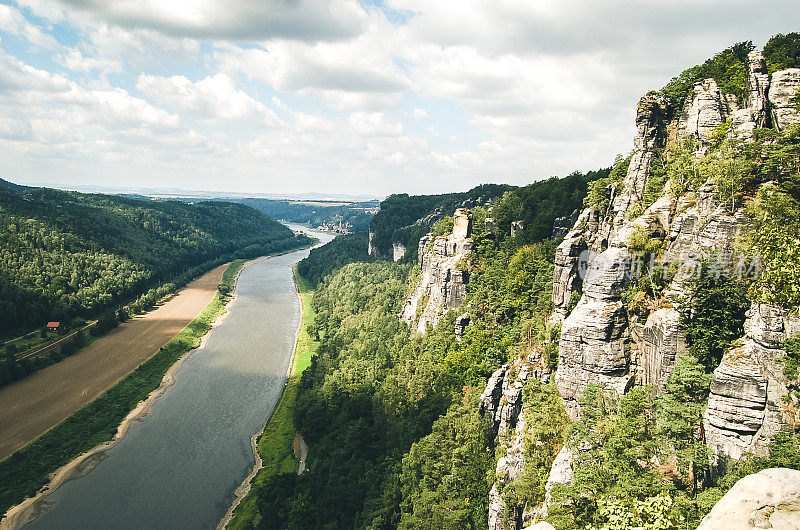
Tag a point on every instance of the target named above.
point(603, 342)
point(443, 282)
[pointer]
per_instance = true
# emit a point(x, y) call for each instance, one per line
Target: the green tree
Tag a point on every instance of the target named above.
point(680, 417)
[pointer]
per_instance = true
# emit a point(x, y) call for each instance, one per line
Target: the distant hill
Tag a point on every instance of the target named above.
point(66, 254)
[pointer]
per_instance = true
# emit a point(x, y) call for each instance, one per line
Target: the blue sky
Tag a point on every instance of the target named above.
point(341, 96)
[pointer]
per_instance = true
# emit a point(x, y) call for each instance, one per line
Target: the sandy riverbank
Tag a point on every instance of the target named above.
point(21, 514)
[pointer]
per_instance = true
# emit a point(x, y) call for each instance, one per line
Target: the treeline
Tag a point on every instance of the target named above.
point(398, 214)
point(337, 253)
point(66, 254)
point(391, 418)
point(314, 213)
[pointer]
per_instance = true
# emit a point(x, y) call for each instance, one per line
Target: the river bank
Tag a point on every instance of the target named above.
point(186, 457)
point(27, 510)
point(274, 448)
point(86, 435)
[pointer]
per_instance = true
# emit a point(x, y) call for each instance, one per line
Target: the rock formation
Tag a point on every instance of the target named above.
point(705, 109)
point(767, 499)
point(502, 404)
point(443, 283)
point(746, 407)
point(398, 251)
point(783, 87)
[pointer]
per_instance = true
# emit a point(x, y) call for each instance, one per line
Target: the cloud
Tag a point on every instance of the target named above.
point(290, 95)
point(12, 21)
point(358, 74)
point(307, 20)
point(213, 99)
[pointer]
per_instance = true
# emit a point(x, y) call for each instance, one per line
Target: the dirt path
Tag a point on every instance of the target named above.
point(30, 407)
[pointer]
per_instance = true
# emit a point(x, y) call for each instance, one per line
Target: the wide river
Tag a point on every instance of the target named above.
point(180, 465)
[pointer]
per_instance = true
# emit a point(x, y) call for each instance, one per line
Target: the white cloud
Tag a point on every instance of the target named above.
point(291, 95)
point(12, 21)
point(309, 20)
point(214, 98)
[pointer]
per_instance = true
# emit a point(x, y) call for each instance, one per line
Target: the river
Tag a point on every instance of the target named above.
point(179, 466)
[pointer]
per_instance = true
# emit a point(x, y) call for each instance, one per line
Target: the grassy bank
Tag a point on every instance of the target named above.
point(275, 444)
point(27, 470)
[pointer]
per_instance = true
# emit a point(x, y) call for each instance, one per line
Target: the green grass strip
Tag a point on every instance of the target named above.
point(26, 471)
point(275, 444)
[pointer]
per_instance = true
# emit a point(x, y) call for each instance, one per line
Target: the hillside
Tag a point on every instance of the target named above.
point(67, 254)
point(625, 374)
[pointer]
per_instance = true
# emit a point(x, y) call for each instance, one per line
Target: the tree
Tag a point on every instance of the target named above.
point(680, 416)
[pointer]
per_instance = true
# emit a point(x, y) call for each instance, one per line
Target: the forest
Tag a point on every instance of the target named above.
point(391, 418)
point(315, 213)
point(67, 254)
point(406, 218)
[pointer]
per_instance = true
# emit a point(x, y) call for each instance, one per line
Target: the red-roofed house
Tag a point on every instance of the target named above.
point(53, 326)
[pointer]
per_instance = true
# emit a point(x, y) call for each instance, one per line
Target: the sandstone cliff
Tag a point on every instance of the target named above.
point(443, 283)
point(601, 343)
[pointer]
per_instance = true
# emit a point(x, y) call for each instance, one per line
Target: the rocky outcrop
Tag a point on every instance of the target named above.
point(443, 283)
point(755, 113)
point(661, 341)
point(371, 249)
point(562, 225)
point(502, 405)
point(746, 407)
point(650, 138)
point(783, 87)
point(462, 321)
point(571, 254)
point(595, 339)
point(705, 109)
point(398, 251)
point(767, 499)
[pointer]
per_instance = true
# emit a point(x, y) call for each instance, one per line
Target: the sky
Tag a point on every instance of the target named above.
point(341, 96)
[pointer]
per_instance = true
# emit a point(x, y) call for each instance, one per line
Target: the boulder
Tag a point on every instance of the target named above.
point(767, 499)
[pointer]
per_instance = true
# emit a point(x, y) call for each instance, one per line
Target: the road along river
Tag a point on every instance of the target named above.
point(179, 466)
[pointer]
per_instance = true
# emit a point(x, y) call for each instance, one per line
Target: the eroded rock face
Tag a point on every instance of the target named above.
point(443, 283)
point(398, 251)
point(593, 349)
point(757, 87)
point(783, 87)
point(746, 405)
point(662, 340)
point(705, 109)
point(502, 404)
point(767, 499)
point(650, 137)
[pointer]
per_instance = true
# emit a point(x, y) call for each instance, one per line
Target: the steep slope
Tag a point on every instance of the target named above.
point(68, 254)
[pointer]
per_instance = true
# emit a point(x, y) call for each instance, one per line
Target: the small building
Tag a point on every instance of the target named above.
point(53, 326)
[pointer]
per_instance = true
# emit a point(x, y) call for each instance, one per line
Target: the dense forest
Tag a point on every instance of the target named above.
point(391, 418)
point(406, 218)
point(67, 254)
